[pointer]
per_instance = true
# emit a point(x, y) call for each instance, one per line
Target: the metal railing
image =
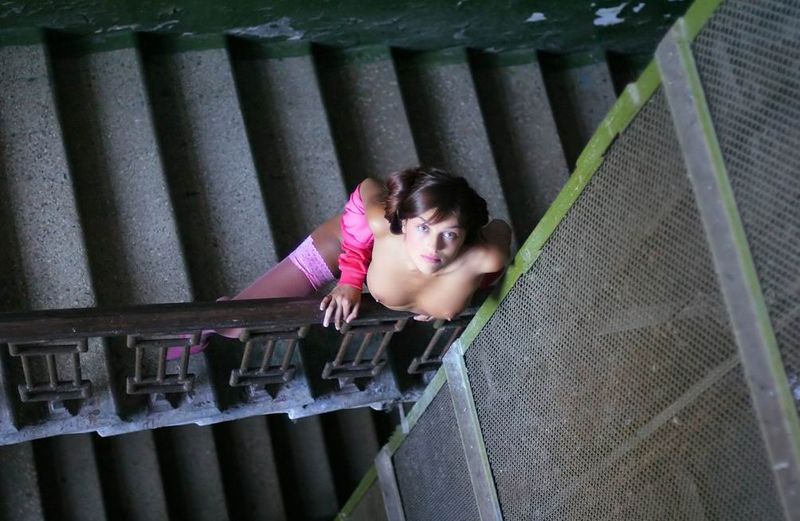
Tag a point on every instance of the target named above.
point(272, 326)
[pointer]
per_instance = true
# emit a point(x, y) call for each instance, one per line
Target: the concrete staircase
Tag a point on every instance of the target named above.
point(152, 169)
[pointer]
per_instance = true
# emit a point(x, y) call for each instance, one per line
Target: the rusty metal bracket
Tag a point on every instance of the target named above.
point(161, 383)
point(423, 364)
point(54, 389)
point(347, 370)
point(267, 373)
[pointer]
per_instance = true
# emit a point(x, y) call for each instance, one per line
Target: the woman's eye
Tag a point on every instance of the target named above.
point(422, 227)
point(450, 236)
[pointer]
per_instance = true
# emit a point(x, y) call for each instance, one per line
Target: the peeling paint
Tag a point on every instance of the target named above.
point(536, 17)
point(130, 27)
point(280, 27)
point(609, 15)
point(638, 7)
point(164, 25)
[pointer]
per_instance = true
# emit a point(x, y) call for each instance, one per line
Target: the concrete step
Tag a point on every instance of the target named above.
point(353, 433)
point(307, 479)
point(190, 464)
point(20, 498)
point(130, 476)
point(69, 478)
point(520, 125)
point(46, 247)
point(626, 68)
point(581, 92)
point(446, 121)
point(210, 172)
point(247, 456)
point(290, 138)
point(365, 107)
point(131, 235)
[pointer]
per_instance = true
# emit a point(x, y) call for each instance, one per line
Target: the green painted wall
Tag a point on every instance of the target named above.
point(557, 25)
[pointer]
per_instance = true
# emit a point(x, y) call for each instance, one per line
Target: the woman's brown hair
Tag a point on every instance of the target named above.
point(414, 191)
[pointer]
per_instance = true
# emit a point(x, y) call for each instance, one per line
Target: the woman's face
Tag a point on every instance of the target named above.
point(432, 246)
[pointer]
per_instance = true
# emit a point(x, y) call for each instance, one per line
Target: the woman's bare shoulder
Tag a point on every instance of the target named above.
point(491, 253)
point(373, 195)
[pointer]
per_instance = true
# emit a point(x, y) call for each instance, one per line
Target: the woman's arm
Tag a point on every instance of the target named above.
point(497, 246)
point(357, 239)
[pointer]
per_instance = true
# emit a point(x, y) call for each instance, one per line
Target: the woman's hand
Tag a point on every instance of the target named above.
point(342, 303)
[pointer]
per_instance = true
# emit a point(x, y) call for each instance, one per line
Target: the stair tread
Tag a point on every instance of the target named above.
point(129, 463)
point(292, 144)
point(448, 127)
point(212, 178)
point(580, 97)
point(20, 499)
point(250, 471)
point(192, 476)
point(371, 130)
point(51, 250)
point(70, 478)
point(124, 201)
point(525, 140)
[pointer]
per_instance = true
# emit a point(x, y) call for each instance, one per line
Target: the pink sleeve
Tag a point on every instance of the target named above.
point(357, 240)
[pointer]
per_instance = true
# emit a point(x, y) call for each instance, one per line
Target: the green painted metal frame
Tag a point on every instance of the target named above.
point(616, 121)
point(480, 472)
point(358, 494)
point(758, 346)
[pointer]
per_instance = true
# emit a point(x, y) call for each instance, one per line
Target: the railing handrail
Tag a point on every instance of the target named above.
point(267, 314)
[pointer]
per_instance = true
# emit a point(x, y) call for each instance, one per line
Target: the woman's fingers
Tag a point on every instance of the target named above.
point(325, 302)
point(337, 316)
point(353, 314)
point(345, 312)
point(328, 312)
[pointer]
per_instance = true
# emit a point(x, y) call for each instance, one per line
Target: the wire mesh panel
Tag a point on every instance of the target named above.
point(607, 384)
point(748, 57)
point(431, 469)
point(370, 508)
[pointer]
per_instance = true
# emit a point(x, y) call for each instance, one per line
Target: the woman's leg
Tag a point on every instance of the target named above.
point(300, 274)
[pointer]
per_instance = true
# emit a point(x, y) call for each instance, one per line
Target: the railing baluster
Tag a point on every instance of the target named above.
point(266, 374)
point(137, 371)
point(343, 348)
point(26, 371)
point(52, 389)
point(161, 383)
point(362, 348)
point(269, 349)
point(52, 372)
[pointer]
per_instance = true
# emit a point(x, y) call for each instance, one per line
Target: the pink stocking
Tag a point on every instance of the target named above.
point(283, 280)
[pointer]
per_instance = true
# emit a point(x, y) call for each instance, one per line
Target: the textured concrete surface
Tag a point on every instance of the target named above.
point(52, 267)
point(524, 139)
point(18, 480)
point(70, 478)
point(252, 482)
point(124, 203)
point(292, 145)
point(33, 164)
point(448, 126)
point(352, 432)
point(190, 464)
point(211, 175)
point(370, 127)
point(580, 98)
point(303, 459)
point(131, 477)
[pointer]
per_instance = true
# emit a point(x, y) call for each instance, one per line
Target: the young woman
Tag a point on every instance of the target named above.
point(422, 242)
